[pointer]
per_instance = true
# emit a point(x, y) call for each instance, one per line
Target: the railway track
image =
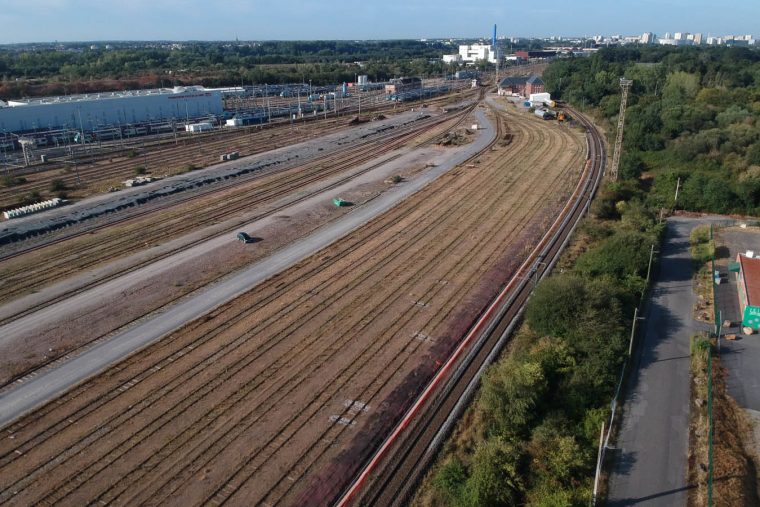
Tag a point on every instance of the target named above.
point(397, 466)
point(246, 202)
point(239, 400)
point(200, 149)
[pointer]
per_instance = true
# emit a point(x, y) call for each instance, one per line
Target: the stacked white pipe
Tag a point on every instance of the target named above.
point(32, 208)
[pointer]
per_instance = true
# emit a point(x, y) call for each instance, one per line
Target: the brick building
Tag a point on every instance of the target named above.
point(524, 86)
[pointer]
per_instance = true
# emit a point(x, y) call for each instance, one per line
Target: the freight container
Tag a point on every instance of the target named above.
point(540, 97)
point(199, 127)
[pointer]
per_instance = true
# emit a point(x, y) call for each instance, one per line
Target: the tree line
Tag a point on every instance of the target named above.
point(693, 115)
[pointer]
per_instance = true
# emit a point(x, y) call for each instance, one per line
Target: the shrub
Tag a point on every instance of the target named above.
point(623, 254)
point(140, 170)
point(451, 478)
point(57, 186)
point(495, 477)
point(12, 181)
point(511, 395)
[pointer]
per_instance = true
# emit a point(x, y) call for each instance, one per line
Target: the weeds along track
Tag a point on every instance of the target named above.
point(84, 449)
point(63, 257)
point(200, 150)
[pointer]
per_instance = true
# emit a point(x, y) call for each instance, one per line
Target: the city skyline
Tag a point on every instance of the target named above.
point(86, 20)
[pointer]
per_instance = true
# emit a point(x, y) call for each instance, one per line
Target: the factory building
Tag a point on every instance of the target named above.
point(747, 270)
point(93, 111)
point(524, 86)
point(479, 52)
point(530, 55)
point(457, 58)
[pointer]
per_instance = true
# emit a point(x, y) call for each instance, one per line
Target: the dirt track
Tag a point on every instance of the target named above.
point(295, 380)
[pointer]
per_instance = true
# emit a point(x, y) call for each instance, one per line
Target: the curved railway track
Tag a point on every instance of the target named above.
point(397, 466)
point(137, 486)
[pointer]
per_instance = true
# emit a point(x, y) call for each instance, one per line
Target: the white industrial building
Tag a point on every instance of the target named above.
point(96, 110)
point(478, 52)
point(456, 58)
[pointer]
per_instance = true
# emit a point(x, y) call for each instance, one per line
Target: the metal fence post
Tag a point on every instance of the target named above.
point(599, 458)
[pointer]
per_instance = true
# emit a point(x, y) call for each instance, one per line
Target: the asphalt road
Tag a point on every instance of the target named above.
point(650, 461)
point(50, 384)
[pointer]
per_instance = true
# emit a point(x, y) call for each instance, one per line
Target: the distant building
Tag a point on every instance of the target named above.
point(479, 52)
point(95, 110)
point(698, 39)
point(647, 38)
point(457, 58)
point(524, 86)
point(402, 84)
point(527, 55)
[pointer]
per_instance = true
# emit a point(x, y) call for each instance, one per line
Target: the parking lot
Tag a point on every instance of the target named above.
point(742, 356)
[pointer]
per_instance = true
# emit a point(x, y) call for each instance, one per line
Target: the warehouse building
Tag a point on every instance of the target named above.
point(535, 55)
point(93, 111)
point(403, 84)
point(524, 86)
point(748, 284)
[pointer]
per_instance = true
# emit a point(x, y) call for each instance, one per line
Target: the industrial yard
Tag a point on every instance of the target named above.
point(310, 368)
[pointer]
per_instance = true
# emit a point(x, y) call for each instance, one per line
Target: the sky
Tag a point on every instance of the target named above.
point(89, 20)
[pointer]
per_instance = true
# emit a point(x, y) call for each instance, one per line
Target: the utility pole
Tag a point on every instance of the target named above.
point(678, 187)
point(625, 85)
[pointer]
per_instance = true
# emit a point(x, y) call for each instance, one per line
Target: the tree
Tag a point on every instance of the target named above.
point(495, 476)
point(511, 395)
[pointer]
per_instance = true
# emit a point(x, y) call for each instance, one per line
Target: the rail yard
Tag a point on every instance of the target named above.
point(303, 388)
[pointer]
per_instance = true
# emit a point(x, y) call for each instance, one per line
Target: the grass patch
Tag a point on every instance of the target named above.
point(699, 424)
point(12, 181)
point(58, 186)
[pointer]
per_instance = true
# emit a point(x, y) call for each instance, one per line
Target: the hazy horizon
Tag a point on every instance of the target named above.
point(45, 21)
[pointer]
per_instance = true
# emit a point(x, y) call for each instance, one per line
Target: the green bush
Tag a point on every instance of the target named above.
point(511, 396)
point(58, 185)
point(699, 234)
point(495, 477)
point(12, 181)
point(140, 169)
point(451, 478)
point(623, 254)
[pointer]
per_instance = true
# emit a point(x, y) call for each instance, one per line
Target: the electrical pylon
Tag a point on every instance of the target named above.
point(625, 85)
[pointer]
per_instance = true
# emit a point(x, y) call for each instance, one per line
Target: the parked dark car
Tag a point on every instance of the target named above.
point(244, 237)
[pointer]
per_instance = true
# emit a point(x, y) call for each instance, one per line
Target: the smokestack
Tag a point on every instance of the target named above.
point(493, 42)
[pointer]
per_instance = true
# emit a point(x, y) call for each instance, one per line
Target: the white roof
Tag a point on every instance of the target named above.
point(105, 95)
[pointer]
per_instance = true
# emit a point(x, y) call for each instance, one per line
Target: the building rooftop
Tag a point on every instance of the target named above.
point(511, 81)
point(520, 81)
point(105, 95)
point(751, 274)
